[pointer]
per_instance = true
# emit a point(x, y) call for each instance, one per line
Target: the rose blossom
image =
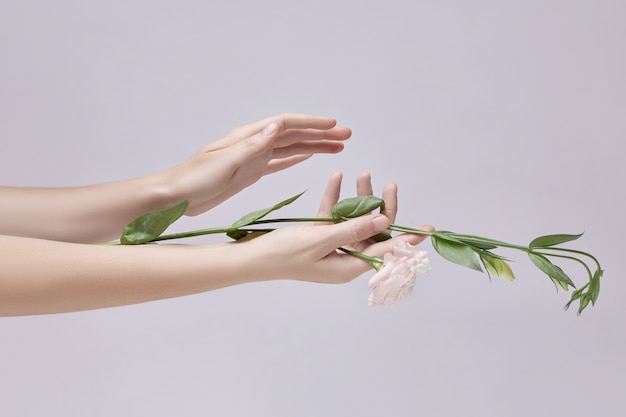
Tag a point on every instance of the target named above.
point(396, 279)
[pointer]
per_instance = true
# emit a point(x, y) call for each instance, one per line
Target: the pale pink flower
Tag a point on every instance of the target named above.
point(396, 278)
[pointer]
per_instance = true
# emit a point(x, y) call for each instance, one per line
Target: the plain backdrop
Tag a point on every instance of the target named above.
point(499, 118)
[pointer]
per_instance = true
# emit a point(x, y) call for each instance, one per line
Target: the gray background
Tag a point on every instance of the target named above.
point(500, 118)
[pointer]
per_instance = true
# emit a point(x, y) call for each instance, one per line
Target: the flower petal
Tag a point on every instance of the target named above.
point(396, 279)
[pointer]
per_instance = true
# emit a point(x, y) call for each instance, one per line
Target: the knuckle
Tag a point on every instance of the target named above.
point(250, 142)
point(253, 144)
point(359, 231)
point(235, 132)
point(280, 123)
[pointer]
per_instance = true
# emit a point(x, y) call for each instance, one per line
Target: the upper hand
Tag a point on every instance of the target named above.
point(226, 166)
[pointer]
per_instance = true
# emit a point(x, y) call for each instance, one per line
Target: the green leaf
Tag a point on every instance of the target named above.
point(559, 284)
point(252, 235)
point(584, 302)
point(594, 286)
point(380, 237)
point(551, 240)
point(236, 234)
point(456, 252)
point(496, 266)
point(553, 271)
point(575, 296)
point(150, 226)
point(356, 206)
point(259, 214)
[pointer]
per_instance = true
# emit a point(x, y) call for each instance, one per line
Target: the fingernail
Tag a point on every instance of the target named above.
point(380, 222)
point(270, 129)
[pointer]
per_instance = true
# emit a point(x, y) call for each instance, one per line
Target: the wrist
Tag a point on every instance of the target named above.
point(158, 191)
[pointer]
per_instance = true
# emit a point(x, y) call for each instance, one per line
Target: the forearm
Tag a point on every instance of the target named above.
point(93, 213)
point(216, 172)
point(44, 276)
point(40, 276)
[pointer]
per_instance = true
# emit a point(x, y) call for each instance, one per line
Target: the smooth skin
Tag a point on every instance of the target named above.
point(43, 275)
point(98, 213)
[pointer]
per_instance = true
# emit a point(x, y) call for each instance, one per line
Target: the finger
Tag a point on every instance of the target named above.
point(331, 195)
point(251, 147)
point(276, 165)
point(306, 121)
point(314, 128)
point(364, 184)
point(307, 148)
point(285, 121)
point(351, 267)
point(390, 197)
point(379, 249)
point(355, 230)
point(291, 136)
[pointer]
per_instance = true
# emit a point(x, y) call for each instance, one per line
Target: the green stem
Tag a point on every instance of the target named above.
point(371, 259)
point(458, 236)
point(218, 230)
point(479, 239)
point(576, 251)
point(193, 233)
point(404, 229)
point(296, 220)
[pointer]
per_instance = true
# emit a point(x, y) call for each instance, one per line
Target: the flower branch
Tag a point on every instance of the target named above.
point(397, 271)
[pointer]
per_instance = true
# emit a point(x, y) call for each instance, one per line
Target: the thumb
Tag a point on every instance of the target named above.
point(356, 230)
point(257, 144)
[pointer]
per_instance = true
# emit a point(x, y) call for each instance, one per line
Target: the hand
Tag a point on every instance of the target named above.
point(243, 156)
point(46, 276)
point(309, 252)
point(99, 212)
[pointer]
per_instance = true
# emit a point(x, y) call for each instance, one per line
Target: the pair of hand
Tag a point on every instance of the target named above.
point(305, 252)
point(43, 273)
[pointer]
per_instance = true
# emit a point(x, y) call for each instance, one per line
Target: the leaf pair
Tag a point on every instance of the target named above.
point(150, 226)
point(555, 273)
point(467, 250)
point(455, 250)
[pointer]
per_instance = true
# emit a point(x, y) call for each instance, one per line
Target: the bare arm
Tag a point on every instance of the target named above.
point(40, 276)
point(98, 213)
point(93, 213)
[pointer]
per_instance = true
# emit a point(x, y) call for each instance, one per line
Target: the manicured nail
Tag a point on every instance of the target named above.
point(270, 129)
point(380, 222)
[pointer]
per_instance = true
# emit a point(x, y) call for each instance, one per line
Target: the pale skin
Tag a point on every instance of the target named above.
point(221, 169)
point(48, 264)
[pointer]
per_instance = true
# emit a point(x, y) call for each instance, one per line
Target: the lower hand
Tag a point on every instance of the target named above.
point(309, 252)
